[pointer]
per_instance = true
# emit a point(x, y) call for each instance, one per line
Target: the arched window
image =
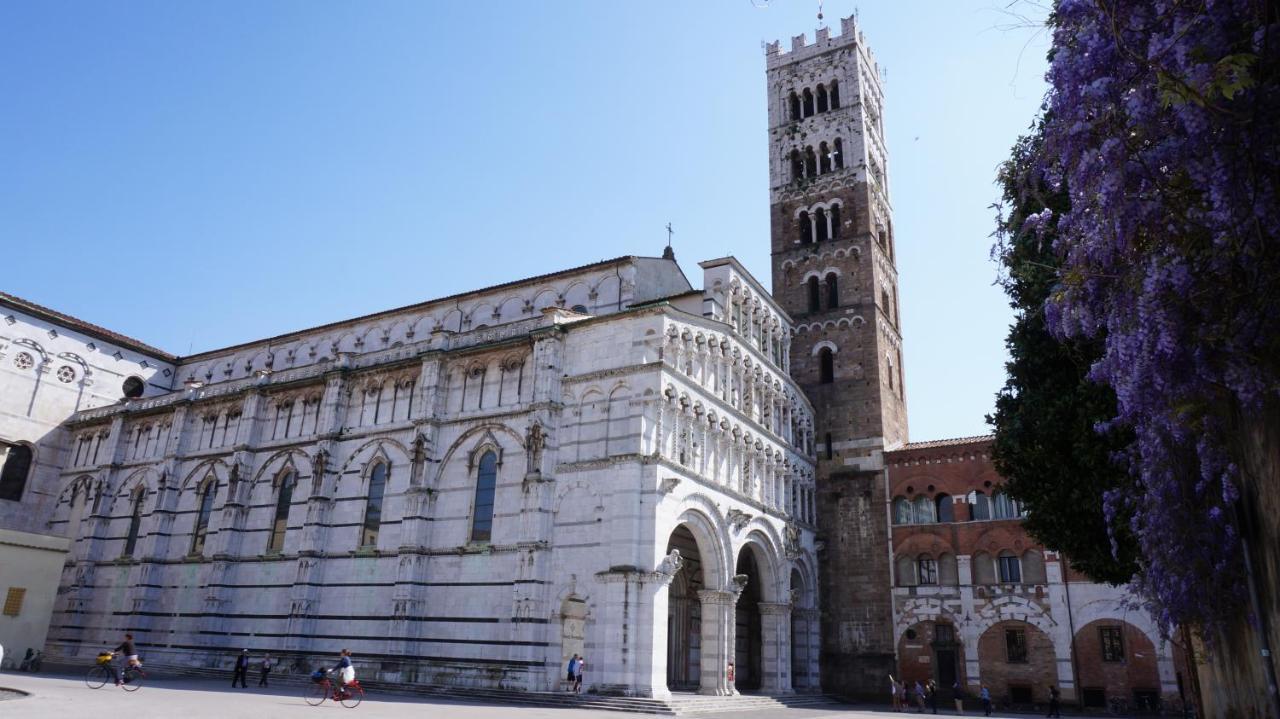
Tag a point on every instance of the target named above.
point(135, 522)
point(946, 512)
point(204, 510)
point(820, 222)
point(948, 571)
point(806, 228)
point(901, 510)
point(793, 101)
point(888, 370)
point(979, 506)
point(822, 98)
point(833, 292)
point(824, 158)
point(884, 303)
point(924, 510)
point(284, 499)
point(834, 213)
point(905, 568)
point(810, 162)
point(927, 569)
point(373, 505)
point(797, 166)
point(811, 285)
point(833, 93)
point(17, 465)
point(1004, 506)
point(826, 366)
point(807, 101)
point(486, 486)
point(984, 570)
point(1009, 568)
point(1033, 567)
point(837, 154)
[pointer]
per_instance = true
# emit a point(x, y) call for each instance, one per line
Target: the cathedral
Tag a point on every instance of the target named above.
point(684, 484)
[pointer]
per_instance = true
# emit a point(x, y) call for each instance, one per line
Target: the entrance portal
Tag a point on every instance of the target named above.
point(747, 638)
point(684, 615)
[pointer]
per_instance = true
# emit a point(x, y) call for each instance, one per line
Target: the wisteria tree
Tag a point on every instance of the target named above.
point(1163, 122)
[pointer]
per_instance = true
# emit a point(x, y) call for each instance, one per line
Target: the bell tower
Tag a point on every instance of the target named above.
point(834, 272)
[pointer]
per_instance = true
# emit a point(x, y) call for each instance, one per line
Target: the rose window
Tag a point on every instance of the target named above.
point(66, 374)
point(23, 361)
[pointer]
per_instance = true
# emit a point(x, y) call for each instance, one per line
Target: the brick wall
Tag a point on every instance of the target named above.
point(998, 674)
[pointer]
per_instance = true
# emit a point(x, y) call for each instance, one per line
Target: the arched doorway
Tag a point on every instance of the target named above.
point(684, 614)
point(747, 637)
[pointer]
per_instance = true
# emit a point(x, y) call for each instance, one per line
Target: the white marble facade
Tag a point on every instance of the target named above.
point(650, 460)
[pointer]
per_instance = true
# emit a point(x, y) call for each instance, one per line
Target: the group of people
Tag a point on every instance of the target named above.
point(927, 693)
point(574, 673)
point(243, 662)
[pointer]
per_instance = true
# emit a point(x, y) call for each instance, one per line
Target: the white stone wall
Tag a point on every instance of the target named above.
point(593, 421)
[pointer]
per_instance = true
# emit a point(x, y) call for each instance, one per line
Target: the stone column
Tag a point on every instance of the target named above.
point(775, 648)
point(718, 625)
point(631, 651)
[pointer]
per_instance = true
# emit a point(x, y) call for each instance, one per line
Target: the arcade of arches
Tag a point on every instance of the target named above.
point(766, 629)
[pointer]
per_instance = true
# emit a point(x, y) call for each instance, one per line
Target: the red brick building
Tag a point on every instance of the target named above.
point(977, 601)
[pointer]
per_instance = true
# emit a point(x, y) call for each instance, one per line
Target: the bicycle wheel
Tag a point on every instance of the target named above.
point(353, 697)
point(97, 676)
point(316, 693)
point(133, 680)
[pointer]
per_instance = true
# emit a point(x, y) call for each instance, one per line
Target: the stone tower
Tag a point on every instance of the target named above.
point(833, 271)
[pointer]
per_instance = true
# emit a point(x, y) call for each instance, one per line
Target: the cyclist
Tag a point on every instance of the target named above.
point(346, 672)
point(130, 656)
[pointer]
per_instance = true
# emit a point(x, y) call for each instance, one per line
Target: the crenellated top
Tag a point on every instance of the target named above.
point(850, 35)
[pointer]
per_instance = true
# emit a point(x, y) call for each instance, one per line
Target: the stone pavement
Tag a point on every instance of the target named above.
point(55, 696)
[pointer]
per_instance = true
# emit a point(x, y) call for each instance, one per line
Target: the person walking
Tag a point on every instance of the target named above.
point(957, 692)
point(931, 691)
point(242, 670)
point(985, 696)
point(919, 697)
point(265, 668)
point(577, 675)
point(571, 672)
point(1055, 707)
point(894, 700)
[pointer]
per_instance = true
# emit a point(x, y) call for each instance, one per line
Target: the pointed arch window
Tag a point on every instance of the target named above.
point(204, 510)
point(486, 487)
point(284, 500)
point(373, 505)
point(135, 522)
point(17, 465)
point(826, 366)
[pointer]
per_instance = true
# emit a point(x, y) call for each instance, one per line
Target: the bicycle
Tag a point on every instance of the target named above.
point(348, 696)
point(100, 673)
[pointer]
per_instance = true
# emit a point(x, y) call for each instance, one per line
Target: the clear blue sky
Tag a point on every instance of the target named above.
point(201, 174)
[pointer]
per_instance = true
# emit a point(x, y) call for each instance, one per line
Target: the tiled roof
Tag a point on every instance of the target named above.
point(956, 441)
point(80, 325)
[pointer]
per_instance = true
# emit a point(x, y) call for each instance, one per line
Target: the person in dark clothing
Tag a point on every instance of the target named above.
point(130, 654)
point(1055, 709)
point(242, 670)
point(931, 693)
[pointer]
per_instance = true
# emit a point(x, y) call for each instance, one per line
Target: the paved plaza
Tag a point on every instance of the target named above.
point(65, 695)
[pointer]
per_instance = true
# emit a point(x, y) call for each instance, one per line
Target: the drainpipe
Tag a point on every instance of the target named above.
point(1071, 627)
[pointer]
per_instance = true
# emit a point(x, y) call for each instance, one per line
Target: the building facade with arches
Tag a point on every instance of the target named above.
point(603, 461)
point(978, 602)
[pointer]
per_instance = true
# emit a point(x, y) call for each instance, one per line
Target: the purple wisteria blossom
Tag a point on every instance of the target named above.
point(1164, 122)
